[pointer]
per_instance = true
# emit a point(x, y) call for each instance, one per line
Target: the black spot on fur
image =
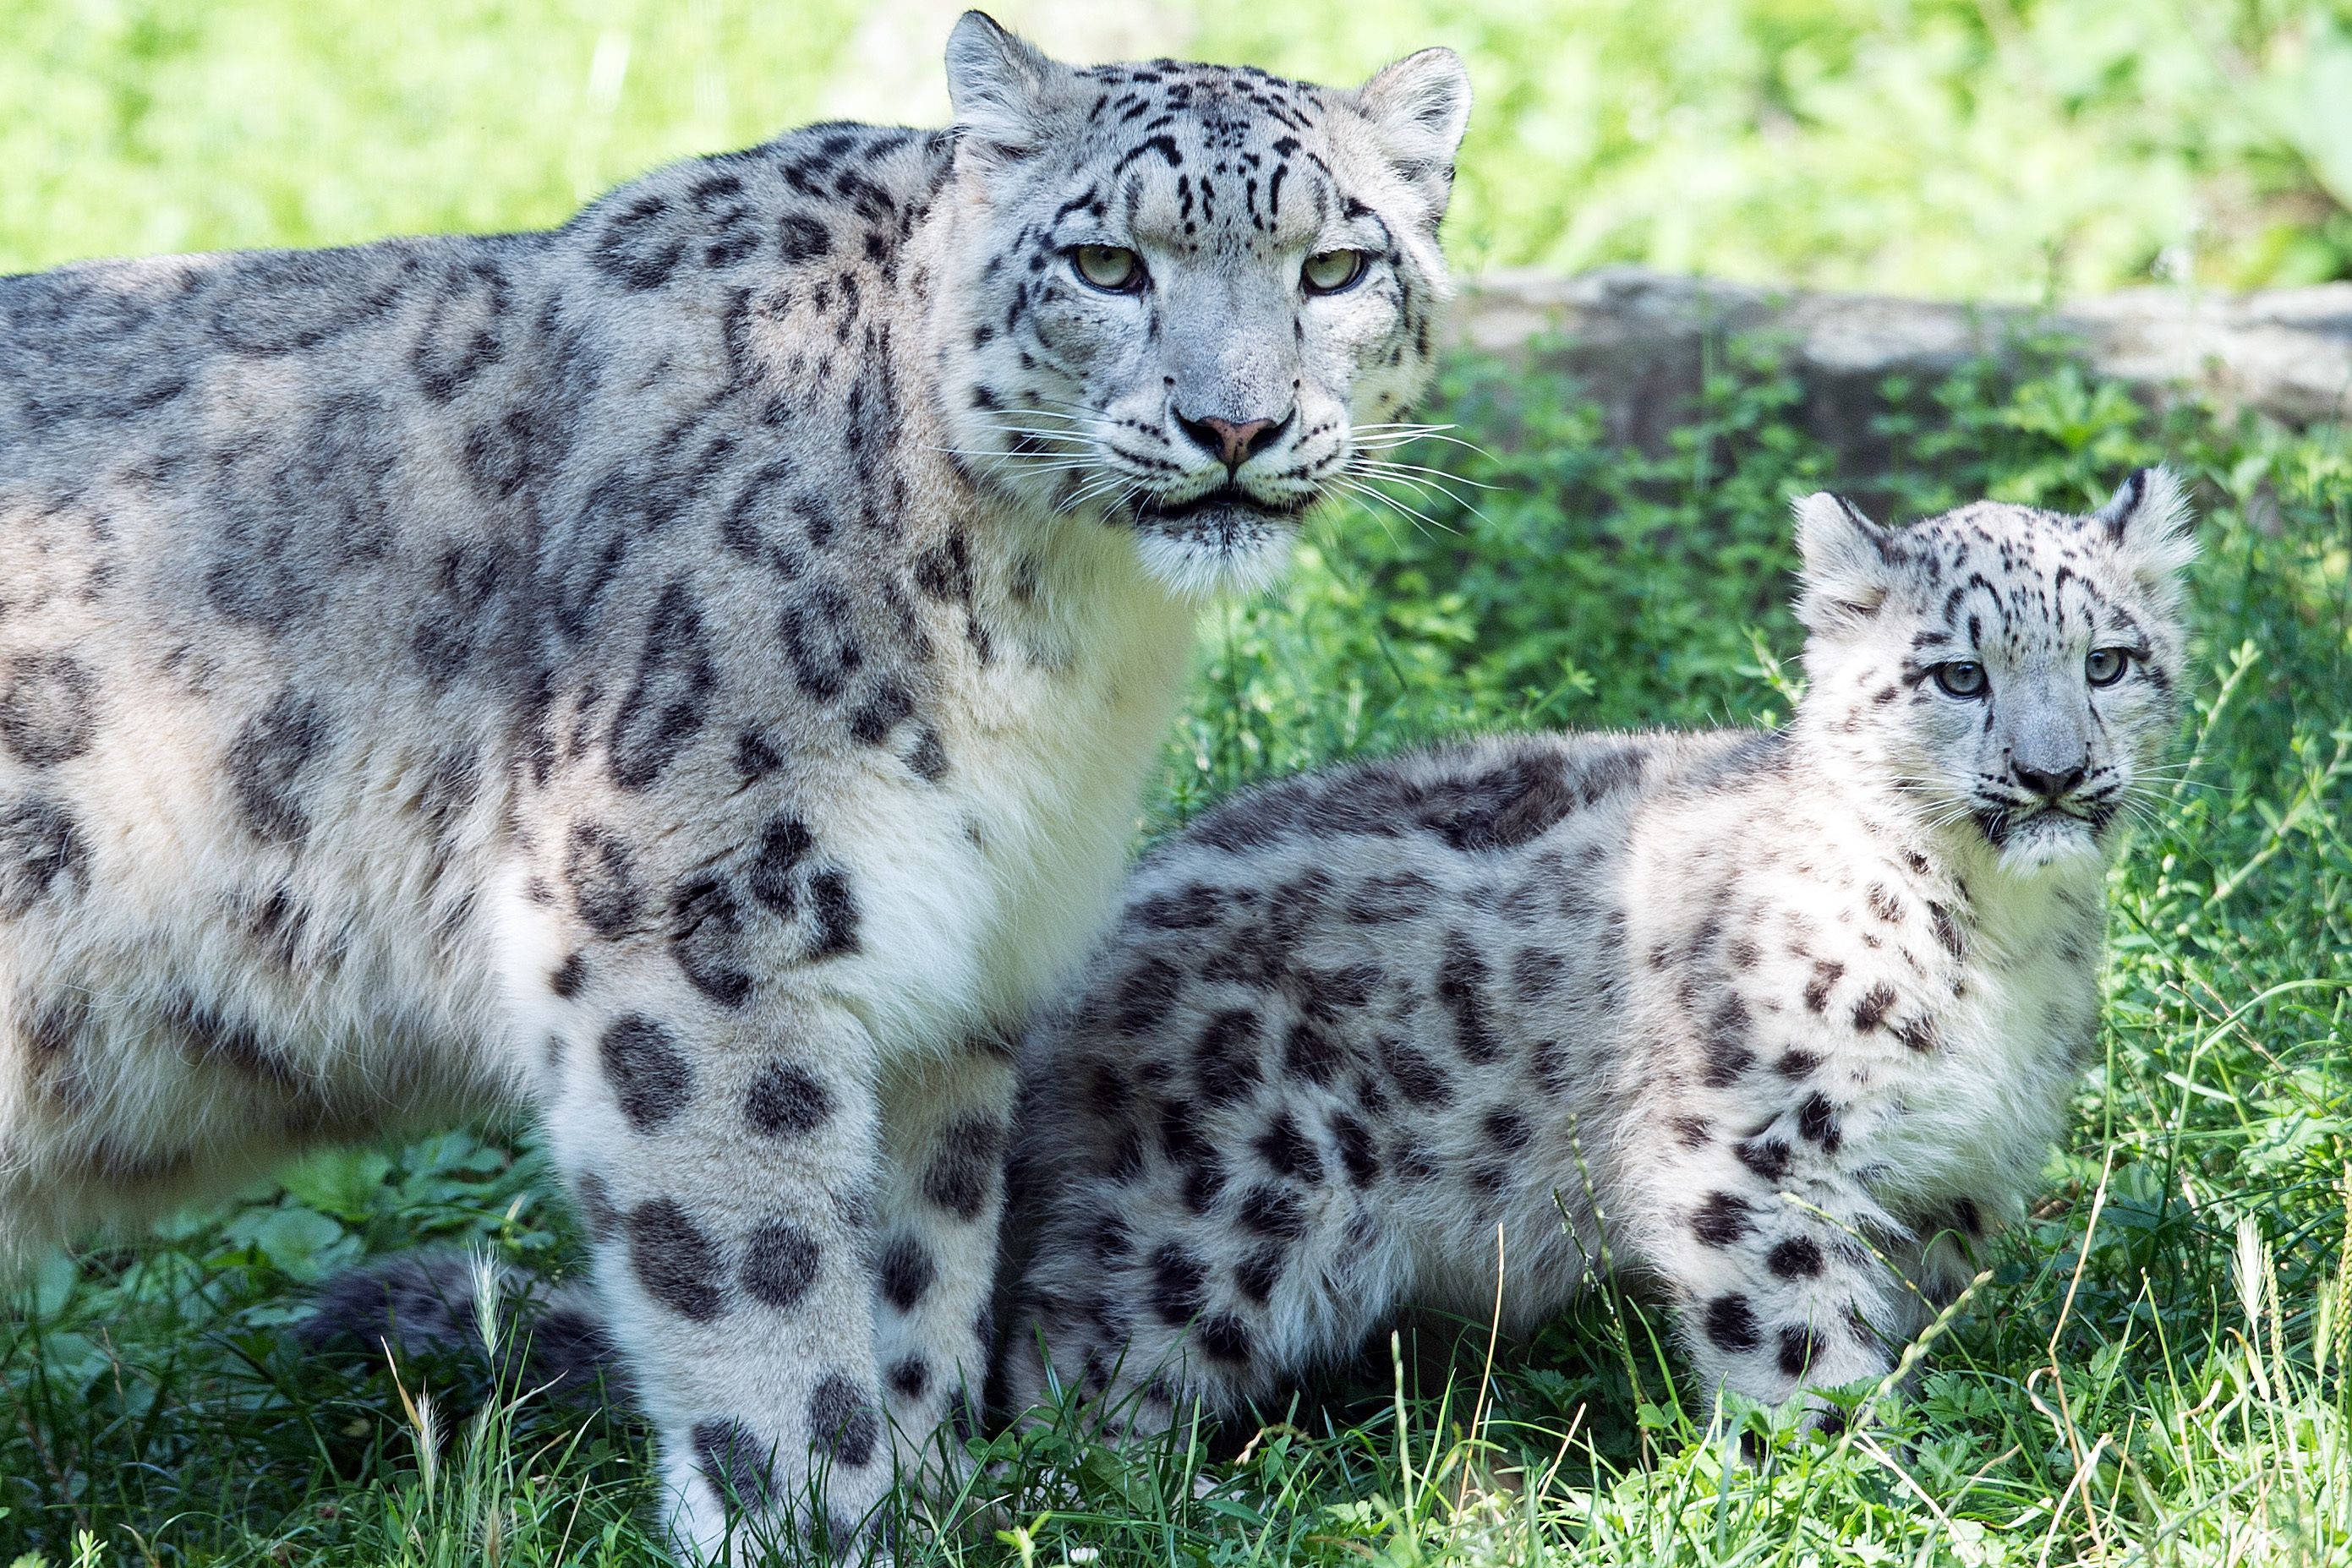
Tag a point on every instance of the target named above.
point(1312, 1052)
point(1183, 909)
point(1418, 1077)
point(844, 1422)
point(1798, 1258)
point(1722, 1219)
point(705, 940)
point(781, 1261)
point(1947, 930)
point(1727, 1055)
point(1816, 989)
point(908, 1377)
point(1731, 1324)
point(1382, 900)
point(40, 847)
point(785, 1101)
point(1796, 1350)
point(650, 1075)
point(668, 701)
point(1872, 1009)
point(905, 1270)
point(266, 763)
point(1768, 1157)
point(961, 1176)
point(1225, 1057)
point(47, 711)
point(1356, 1149)
point(819, 638)
point(604, 886)
point(1259, 1272)
point(1817, 1119)
point(732, 1460)
point(755, 756)
point(1222, 1336)
point(1507, 1130)
point(1289, 1151)
point(1461, 987)
point(676, 1263)
point(1143, 996)
point(570, 975)
point(836, 909)
point(1274, 1211)
point(784, 845)
point(1176, 1280)
point(637, 248)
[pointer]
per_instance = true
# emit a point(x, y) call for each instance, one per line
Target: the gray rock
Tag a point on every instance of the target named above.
point(1640, 340)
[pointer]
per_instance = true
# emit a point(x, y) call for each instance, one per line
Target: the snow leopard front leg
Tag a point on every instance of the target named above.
point(715, 1111)
point(937, 1211)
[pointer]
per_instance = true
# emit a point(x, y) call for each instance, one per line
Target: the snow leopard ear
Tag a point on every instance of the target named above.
point(999, 85)
point(1419, 107)
point(2148, 522)
point(1851, 563)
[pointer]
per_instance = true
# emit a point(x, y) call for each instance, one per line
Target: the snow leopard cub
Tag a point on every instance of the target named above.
point(691, 670)
point(1806, 1005)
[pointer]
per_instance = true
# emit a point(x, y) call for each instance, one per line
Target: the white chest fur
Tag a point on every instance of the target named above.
point(982, 892)
point(1979, 1117)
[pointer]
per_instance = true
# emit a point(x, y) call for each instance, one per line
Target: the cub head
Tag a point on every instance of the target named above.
point(1184, 295)
point(2014, 672)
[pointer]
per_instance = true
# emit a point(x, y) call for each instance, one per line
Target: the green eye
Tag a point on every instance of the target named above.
point(1108, 268)
point(1962, 678)
point(2106, 666)
point(1329, 271)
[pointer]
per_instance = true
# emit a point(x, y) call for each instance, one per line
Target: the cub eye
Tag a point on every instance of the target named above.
point(1329, 271)
point(2106, 666)
point(1108, 268)
point(1962, 678)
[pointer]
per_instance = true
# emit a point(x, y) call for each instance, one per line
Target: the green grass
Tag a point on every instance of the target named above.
point(2153, 1372)
point(1978, 148)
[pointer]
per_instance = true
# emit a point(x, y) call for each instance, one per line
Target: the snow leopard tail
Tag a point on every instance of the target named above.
point(550, 1337)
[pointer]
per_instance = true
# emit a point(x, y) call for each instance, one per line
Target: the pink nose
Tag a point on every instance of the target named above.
point(1233, 442)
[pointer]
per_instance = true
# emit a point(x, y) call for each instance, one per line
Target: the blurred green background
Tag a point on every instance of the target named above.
point(1994, 149)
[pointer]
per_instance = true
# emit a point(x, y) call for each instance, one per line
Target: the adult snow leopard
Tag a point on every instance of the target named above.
point(693, 668)
point(1785, 1022)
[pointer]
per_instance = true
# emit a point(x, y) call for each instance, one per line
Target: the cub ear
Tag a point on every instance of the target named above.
point(1850, 562)
point(1419, 107)
point(2148, 522)
point(997, 84)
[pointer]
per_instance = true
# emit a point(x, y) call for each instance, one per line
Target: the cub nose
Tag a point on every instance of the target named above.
point(2049, 786)
point(1233, 442)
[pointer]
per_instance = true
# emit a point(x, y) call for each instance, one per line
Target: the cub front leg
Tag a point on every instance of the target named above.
point(1762, 1244)
point(721, 1150)
point(937, 1216)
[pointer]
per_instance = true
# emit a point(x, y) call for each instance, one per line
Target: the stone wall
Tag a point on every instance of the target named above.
point(1638, 340)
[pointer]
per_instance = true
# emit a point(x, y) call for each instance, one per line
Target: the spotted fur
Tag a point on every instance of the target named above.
point(1784, 1023)
point(692, 669)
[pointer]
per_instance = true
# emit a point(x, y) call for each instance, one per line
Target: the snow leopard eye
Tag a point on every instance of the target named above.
point(1962, 678)
point(1330, 271)
point(1110, 267)
point(2106, 666)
